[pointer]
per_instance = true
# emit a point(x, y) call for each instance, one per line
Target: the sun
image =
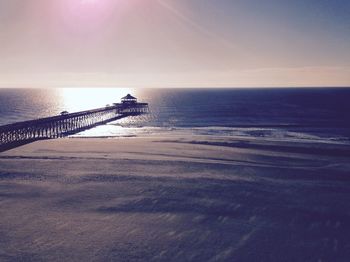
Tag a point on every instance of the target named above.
point(85, 17)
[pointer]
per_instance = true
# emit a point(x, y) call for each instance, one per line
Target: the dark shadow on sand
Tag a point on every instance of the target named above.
point(13, 145)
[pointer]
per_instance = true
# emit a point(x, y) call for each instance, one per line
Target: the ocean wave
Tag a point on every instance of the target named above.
point(271, 134)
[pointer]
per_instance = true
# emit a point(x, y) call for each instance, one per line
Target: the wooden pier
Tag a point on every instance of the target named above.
point(19, 133)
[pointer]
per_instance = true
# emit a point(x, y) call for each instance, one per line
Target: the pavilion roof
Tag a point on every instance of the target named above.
point(129, 97)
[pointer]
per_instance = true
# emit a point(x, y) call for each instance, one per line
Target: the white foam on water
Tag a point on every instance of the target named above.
point(270, 134)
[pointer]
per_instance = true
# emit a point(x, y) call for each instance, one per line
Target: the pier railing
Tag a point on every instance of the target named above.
point(65, 124)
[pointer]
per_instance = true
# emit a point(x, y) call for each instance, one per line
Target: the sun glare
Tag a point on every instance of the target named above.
point(88, 15)
point(78, 99)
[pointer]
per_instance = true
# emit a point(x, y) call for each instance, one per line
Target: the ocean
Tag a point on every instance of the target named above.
point(308, 115)
point(213, 175)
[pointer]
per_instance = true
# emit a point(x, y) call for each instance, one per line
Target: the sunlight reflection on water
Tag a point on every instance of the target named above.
point(78, 99)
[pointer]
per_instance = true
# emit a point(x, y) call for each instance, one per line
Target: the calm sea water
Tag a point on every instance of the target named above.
point(290, 114)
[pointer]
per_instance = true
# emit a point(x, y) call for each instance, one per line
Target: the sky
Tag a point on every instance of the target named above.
point(174, 43)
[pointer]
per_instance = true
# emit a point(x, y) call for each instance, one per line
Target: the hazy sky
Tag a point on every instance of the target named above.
point(156, 43)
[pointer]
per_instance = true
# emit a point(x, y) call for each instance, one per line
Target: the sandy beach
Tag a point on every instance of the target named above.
point(175, 199)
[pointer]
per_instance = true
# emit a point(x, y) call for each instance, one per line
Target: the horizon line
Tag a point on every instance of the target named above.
point(174, 87)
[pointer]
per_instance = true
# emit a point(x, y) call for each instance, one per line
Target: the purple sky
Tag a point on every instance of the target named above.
point(174, 43)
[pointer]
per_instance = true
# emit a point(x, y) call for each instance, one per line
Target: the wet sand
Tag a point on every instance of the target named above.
point(175, 199)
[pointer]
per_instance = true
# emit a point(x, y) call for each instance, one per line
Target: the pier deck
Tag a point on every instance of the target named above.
point(19, 133)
